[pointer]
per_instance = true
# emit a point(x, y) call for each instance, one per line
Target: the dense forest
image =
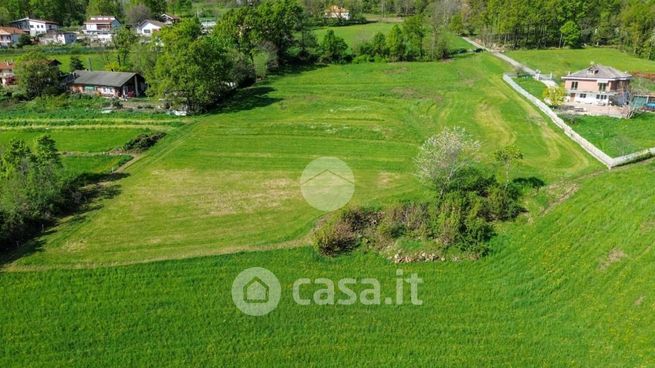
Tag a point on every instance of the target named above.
point(629, 24)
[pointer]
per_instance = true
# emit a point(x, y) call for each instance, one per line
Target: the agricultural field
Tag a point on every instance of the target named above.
point(567, 284)
point(562, 61)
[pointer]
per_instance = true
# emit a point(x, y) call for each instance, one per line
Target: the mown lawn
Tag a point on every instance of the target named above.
point(617, 137)
point(218, 175)
point(76, 139)
point(562, 61)
point(567, 285)
point(93, 61)
point(533, 86)
point(359, 33)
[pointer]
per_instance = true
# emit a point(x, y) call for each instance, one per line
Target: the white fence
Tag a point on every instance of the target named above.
point(580, 140)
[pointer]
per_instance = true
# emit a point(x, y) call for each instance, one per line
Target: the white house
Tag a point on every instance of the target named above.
point(147, 27)
point(35, 26)
point(207, 24)
point(337, 12)
point(101, 28)
point(9, 36)
point(58, 38)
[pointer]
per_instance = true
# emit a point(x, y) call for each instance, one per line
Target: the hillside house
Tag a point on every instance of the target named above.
point(10, 36)
point(169, 19)
point(7, 73)
point(598, 84)
point(101, 28)
point(58, 38)
point(35, 27)
point(147, 27)
point(108, 84)
point(337, 12)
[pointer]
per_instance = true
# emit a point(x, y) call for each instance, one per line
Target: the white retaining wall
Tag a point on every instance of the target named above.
point(577, 138)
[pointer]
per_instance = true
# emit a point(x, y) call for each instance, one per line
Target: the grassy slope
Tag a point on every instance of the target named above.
point(220, 174)
point(356, 34)
point(569, 286)
point(77, 140)
point(560, 62)
point(95, 61)
point(548, 296)
point(617, 137)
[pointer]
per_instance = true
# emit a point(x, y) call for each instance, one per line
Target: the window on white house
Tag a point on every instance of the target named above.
point(602, 87)
point(574, 85)
point(583, 95)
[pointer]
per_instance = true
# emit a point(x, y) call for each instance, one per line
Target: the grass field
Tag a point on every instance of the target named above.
point(566, 285)
point(617, 137)
point(533, 86)
point(359, 33)
point(562, 61)
point(93, 61)
point(78, 140)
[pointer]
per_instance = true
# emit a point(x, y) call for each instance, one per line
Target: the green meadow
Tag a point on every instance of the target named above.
point(617, 137)
point(144, 278)
point(560, 62)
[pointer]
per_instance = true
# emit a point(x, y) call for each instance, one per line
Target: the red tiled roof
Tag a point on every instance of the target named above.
point(11, 30)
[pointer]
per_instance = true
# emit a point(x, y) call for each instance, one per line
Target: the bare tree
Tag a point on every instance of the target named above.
point(443, 157)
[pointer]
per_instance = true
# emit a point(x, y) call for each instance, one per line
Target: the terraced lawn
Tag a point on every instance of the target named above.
point(566, 285)
point(231, 181)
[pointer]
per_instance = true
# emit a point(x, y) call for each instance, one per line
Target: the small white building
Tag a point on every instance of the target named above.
point(147, 27)
point(7, 73)
point(101, 28)
point(10, 36)
point(207, 24)
point(337, 12)
point(58, 38)
point(35, 26)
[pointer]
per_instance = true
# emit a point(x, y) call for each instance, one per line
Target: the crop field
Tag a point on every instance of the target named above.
point(567, 284)
point(562, 61)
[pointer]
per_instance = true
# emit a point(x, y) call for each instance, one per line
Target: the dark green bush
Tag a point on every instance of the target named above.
point(143, 141)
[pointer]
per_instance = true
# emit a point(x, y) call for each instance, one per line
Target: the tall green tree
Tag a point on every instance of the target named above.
point(396, 44)
point(37, 76)
point(123, 40)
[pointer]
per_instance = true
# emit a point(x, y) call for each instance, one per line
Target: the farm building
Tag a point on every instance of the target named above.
point(10, 36)
point(598, 84)
point(108, 84)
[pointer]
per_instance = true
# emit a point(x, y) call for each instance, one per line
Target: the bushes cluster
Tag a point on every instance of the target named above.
point(33, 189)
point(143, 141)
point(461, 220)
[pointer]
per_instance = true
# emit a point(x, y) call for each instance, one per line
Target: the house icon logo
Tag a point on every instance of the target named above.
point(327, 183)
point(256, 291)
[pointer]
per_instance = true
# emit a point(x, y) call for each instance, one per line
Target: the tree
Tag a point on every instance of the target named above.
point(192, 70)
point(414, 31)
point(506, 157)
point(104, 7)
point(333, 48)
point(36, 75)
point(396, 43)
point(238, 27)
point(444, 157)
point(571, 35)
point(76, 63)
point(277, 22)
point(136, 14)
point(24, 40)
point(555, 96)
point(123, 40)
point(379, 45)
point(45, 151)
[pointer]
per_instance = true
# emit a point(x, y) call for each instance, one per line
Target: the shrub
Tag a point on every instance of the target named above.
point(143, 141)
point(342, 232)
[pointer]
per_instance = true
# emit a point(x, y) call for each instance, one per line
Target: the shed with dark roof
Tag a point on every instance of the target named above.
point(109, 84)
